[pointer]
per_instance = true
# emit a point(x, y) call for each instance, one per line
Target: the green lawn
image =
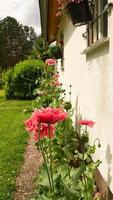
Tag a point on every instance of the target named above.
point(13, 140)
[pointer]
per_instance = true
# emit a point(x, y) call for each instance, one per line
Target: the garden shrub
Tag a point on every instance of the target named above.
point(20, 82)
point(1, 79)
point(8, 84)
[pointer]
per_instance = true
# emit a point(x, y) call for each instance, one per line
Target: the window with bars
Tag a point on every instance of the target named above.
point(98, 28)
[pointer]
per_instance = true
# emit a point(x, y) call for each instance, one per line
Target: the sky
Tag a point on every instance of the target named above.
point(25, 11)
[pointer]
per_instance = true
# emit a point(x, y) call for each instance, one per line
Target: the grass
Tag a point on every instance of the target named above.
point(13, 140)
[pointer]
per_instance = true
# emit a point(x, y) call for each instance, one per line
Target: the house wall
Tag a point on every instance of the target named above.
point(91, 77)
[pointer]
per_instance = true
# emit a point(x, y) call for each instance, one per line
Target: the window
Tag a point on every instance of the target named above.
point(98, 28)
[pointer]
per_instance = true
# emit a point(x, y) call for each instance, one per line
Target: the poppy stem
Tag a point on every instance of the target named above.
point(84, 176)
point(45, 162)
point(68, 167)
point(51, 166)
point(45, 150)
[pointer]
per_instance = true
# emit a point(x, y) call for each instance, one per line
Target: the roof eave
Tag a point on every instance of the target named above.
point(43, 5)
point(49, 21)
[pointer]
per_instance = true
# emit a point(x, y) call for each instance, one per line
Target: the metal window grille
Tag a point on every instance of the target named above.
point(98, 28)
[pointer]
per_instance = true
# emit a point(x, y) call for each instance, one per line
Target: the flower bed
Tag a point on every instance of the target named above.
point(68, 169)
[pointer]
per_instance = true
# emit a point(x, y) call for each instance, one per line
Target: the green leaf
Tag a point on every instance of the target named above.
point(44, 197)
point(77, 173)
point(71, 194)
point(43, 177)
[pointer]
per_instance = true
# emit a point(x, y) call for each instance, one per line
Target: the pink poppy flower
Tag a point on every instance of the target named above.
point(44, 132)
point(30, 125)
point(50, 115)
point(50, 61)
point(89, 123)
point(57, 83)
point(56, 76)
point(35, 136)
point(42, 129)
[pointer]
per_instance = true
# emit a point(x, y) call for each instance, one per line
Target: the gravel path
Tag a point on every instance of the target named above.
point(25, 184)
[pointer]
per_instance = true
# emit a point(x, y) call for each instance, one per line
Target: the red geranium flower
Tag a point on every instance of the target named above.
point(89, 123)
point(50, 61)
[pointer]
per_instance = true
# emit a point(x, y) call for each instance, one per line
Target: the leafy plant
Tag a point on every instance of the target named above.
point(68, 169)
point(8, 84)
point(55, 51)
point(19, 83)
point(42, 50)
point(50, 92)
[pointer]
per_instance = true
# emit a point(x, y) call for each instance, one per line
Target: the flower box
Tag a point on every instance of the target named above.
point(79, 12)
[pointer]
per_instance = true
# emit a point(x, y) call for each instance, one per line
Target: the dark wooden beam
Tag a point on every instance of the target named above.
point(53, 21)
point(102, 186)
point(43, 5)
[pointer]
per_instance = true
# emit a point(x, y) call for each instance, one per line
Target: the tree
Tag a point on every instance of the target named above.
point(16, 42)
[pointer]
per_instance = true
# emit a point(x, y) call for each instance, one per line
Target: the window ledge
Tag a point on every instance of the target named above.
point(96, 45)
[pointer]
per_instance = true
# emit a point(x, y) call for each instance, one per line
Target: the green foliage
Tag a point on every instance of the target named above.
point(73, 168)
point(55, 51)
point(40, 49)
point(16, 42)
point(1, 82)
point(43, 51)
point(8, 84)
point(77, 186)
point(1, 94)
point(20, 82)
point(48, 94)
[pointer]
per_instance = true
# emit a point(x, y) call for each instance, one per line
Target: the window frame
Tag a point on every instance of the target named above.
point(98, 28)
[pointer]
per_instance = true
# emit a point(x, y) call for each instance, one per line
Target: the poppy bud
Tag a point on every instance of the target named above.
point(67, 105)
point(84, 138)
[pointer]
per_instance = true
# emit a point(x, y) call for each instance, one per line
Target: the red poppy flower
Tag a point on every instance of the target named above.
point(30, 125)
point(89, 123)
point(44, 131)
point(39, 129)
point(49, 115)
point(42, 121)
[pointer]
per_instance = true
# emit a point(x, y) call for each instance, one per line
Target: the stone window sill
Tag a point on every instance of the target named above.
point(95, 46)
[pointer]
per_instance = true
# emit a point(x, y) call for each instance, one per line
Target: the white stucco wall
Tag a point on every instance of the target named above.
point(91, 78)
